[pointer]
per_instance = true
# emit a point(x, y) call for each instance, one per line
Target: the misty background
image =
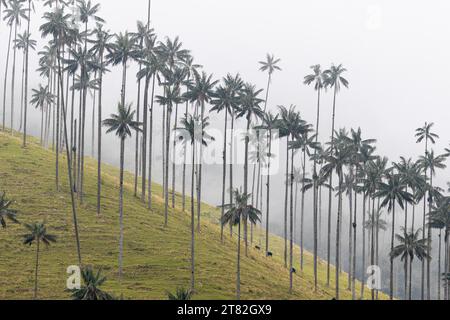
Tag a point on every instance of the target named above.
point(396, 53)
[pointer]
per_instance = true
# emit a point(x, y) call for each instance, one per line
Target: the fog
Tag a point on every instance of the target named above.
point(396, 53)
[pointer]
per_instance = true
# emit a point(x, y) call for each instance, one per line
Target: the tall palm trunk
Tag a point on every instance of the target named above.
point(268, 193)
point(183, 191)
point(330, 193)
point(13, 78)
point(354, 246)
point(247, 140)
point(439, 275)
point(338, 235)
point(286, 193)
point(38, 242)
point(372, 249)
point(150, 146)
point(291, 224)
point(316, 192)
point(363, 287)
point(231, 164)
point(69, 164)
point(424, 225)
point(429, 237)
point(27, 55)
point(6, 76)
point(138, 117)
point(166, 169)
point(350, 240)
point(193, 219)
point(238, 273)
point(122, 156)
point(144, 137)
point(391, 277)
point(302, 214)
point(174, 146)
point(99, 137)
point(21, 92)
point(224, 172)
point(93, 121)
point(199, 186)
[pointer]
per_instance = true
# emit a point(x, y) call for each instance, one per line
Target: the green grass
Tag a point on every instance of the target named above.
point(156, 259)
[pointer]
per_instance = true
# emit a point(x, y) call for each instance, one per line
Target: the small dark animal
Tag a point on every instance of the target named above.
point(354, 225)
point(293, 270)
point(269, 254)
point(257, 247)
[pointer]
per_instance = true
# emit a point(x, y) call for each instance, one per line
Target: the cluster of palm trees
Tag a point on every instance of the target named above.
point(73, 64)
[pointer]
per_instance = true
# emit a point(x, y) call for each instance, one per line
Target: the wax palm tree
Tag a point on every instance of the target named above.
point(425, 135)
point(236, 213)
point(269, 124)
point(191, 68)
point(57, 26)
point(180, 295)
point(122, 124)
point(101, 45)
point(270, 65)
point(41, 98)
point(147, 71)
point(143, 35)
point(335, 80)
point(236, 84)
point(392, 192)
point(171, 98)
point(439, 218)
point(430, 163)
point(306, 143)
point(200, 92)
point(335, 162)
point(193, 131)
point(6, 212)
point(37, 234)
point(14, 15)
point(90, 290)
point(410, 246)
point(29, 45)
point(287, 128)
point(224, 100)
point(24, 42)
point(250, 109)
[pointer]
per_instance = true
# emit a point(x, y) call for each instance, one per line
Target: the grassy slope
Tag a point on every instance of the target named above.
point(156, 259)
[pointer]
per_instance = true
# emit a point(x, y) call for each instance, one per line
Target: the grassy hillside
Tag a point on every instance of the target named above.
point(156, 259)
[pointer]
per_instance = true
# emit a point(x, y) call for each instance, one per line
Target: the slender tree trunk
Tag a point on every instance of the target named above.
point(150, 147)
point(144, 137)
point(238, 273)
point(338, 235)
point(302, 217)
point(291, 226)
point(363, 287)
point(439, 266)
point(166, 172)
point(122, 155)
point(391, 286)
point(268, 193)
point(13, 78)
point(354, 246)
point(330, 194)
point(224, 173)
point(138, 115)
point(231, 164)
point(316, 191)
point(199, 186)
point(247, 140)
point(193, 220)
point(99, 135)
point(174, 146)
point(424, 226)
point(430, 235)
point(286, 192)
point(69, 164)
point(6, 77)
